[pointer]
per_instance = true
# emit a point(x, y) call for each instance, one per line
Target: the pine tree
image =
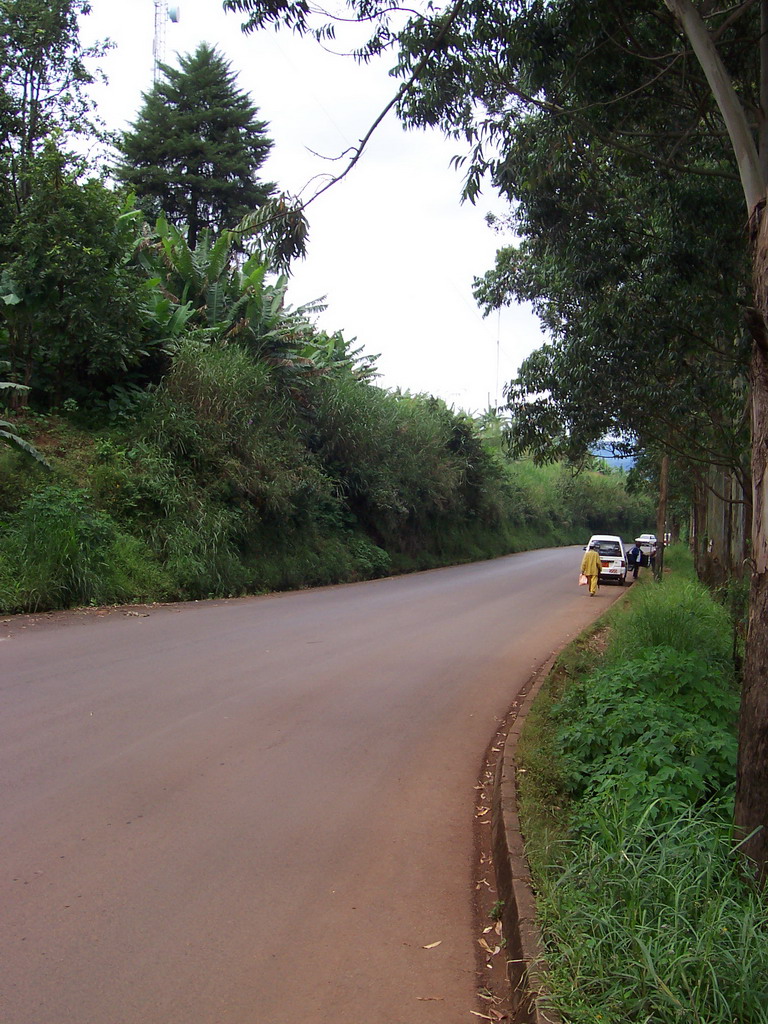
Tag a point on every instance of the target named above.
point(193, 152)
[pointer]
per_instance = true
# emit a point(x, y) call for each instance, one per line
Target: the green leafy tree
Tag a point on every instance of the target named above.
point(70, 303)
point(647, 342)
point(44, 76)
point(195, 147)
point(58, 304)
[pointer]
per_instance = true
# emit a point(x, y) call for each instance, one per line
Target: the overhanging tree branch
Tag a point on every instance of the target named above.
point(404, 89)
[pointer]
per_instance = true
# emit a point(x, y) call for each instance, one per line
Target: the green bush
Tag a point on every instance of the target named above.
point(222, 419)
point(370, 561)
point(658, 729)
point(60, 550)
point(136, 574)
point(191, 531)
point(19, 477)
point(202, 558)
point(313, 558)
point(657, 721)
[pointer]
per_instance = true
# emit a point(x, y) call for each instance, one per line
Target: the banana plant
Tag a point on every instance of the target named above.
point(9, 436)
point(328, 352)
point(195, 276)
point(168, 320)
point(224, 297)
point(280, 228)
point(259, 318)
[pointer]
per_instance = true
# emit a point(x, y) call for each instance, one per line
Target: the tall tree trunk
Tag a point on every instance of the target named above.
point(746, 547)
point(661, 517)
point(674, 530)
point(751, 810)
point(728, 524)
point(193, 228)
point(698, 524)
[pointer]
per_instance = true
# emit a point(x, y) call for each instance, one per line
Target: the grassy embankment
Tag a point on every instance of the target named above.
point(629, 759)
point(228, 479)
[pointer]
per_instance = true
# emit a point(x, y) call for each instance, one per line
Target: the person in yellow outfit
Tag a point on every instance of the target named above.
point(590, 567)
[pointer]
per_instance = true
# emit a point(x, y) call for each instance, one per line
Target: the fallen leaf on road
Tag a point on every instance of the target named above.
point(432, 945)
point(487, 948)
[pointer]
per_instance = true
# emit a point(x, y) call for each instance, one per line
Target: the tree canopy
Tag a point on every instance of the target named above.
point(644, 313)
point(194, 150)
point(69, 302)
point(43, 79)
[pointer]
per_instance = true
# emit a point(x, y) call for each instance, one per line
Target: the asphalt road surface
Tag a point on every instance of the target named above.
point(260, 811)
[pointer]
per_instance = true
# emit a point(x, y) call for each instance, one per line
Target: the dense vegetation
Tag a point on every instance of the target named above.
point(224, 480)
point(627, 801)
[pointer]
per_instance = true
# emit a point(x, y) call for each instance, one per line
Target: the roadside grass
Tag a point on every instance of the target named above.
point(60, 550)
point(677, 559)
point(651, 922)
point(542, 799)
point(678, 614)
point(626, 767)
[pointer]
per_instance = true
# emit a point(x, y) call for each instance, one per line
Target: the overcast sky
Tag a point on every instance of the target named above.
point(391, 247)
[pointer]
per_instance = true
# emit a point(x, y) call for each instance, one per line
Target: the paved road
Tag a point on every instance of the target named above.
point(260, 811)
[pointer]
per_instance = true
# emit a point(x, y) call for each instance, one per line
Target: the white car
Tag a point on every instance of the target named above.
point(613, 558)
point(645, 542)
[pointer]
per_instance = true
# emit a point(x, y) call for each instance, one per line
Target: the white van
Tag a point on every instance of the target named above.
point(645, 542)
point(613, 557)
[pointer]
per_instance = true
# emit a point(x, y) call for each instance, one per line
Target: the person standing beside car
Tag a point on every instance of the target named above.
point(634, 557)
point(590, 567)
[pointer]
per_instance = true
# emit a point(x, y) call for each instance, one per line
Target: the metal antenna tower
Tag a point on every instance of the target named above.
point(163, 14)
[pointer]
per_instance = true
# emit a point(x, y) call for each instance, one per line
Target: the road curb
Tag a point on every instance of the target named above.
point(526, 964)
point(525, 952)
